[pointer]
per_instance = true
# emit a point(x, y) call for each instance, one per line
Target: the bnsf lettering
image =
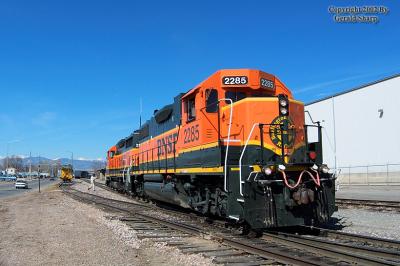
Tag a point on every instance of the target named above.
point(166, 144)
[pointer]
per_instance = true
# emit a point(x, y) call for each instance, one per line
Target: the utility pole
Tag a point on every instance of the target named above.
point(30, 165)
point(7, 156)
point(72, 159)
point(8, 144)
point(140, 113)
point(39, 173)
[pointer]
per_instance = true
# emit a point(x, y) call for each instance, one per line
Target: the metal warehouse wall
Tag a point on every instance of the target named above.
point(361, 134)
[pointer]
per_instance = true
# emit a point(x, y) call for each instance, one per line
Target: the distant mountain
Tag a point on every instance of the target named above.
point(78, 164)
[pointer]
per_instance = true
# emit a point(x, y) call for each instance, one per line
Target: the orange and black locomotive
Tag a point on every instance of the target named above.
point(234, 146)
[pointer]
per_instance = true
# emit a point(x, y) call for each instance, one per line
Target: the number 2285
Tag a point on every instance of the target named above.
point(191, 134)
point(235, 80)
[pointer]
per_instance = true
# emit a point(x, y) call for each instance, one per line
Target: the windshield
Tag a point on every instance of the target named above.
point(236, 95)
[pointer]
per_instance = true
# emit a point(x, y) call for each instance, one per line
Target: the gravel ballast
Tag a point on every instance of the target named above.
point(83, 187)
point(358, 221)
point(382, 224)
point(52, 229)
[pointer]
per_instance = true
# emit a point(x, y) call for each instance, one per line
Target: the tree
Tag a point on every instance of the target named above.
point(97, 165)
point(14, 162)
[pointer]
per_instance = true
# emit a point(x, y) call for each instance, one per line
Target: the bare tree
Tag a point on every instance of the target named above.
point(14, 162)
point(98, 165)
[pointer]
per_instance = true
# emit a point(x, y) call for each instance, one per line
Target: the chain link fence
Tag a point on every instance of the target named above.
point(376, 174)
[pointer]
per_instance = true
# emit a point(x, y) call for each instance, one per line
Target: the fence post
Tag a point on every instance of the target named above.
point(387, 173)
point(349, 173)
point(367, 176)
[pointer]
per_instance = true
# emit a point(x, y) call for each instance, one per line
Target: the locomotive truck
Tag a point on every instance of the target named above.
point(235, 146)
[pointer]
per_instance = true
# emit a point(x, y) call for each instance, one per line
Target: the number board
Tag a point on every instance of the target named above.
point(266, 83)
point(235, 80)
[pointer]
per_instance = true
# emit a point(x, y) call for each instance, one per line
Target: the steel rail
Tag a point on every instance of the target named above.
point(390, 205)
point(327, 248)
point(263, 252)
point(365, 255)
point(356, 238)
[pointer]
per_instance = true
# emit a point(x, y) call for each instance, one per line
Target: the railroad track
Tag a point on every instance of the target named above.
point(327, 242)
point(147, 204)
point(173, 232)
point(98, 184)
point(349, 237)
point(370, 204)
point(228, 248)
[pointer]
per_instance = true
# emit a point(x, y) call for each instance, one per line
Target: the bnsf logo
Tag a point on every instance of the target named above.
point(166, 144)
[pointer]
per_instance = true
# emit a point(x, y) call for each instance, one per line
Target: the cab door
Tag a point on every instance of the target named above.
point(211, 156)
point(190, 132)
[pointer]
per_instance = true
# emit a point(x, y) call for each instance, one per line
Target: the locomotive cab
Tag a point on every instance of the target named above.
point(270, 160)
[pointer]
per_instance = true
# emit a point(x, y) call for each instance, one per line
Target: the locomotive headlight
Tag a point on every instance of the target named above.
point(314, 167)
point(282, 167)
point(324, 169)
point(267, 170)
point(283, 102)
point(283, 111)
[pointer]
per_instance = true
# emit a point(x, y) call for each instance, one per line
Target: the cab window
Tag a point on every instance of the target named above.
point(191, 109)
point(211, 100)
point(234, 95)
point(261, 93)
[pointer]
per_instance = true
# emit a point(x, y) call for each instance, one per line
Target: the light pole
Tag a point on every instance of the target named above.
point(7, 156)
point(8, 144)
point(72, 159)
point(30, 165)
point(39, 173)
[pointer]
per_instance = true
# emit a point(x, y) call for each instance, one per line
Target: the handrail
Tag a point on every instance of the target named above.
point(251, 173)
point(158, 156)
point(241, 157)
point(312, 121)
point(228, 140)
point(123, 171)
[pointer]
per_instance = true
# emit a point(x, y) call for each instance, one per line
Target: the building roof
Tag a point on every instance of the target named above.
point(354, 89)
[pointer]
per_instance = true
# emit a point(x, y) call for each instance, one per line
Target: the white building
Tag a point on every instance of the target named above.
point(361, 134)
point(11, 171)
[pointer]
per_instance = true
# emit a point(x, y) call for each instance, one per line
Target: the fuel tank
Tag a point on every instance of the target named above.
point(166, 193)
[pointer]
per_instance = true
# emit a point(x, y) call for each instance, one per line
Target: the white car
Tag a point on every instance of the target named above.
point(21, 183)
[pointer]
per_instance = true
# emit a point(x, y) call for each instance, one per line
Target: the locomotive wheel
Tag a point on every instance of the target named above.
point(250, 232)
point(246, 229)
point(255, 233)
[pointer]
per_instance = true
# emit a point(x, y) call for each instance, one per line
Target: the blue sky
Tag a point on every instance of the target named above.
point(72, 72)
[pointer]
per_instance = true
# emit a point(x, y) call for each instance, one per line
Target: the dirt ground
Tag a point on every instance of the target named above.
point(52, 229)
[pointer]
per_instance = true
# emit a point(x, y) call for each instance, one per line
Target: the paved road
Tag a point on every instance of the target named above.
point(385, 193)
point(7, 189)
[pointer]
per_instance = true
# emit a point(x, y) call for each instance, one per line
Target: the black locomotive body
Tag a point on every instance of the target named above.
point(236, 146)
